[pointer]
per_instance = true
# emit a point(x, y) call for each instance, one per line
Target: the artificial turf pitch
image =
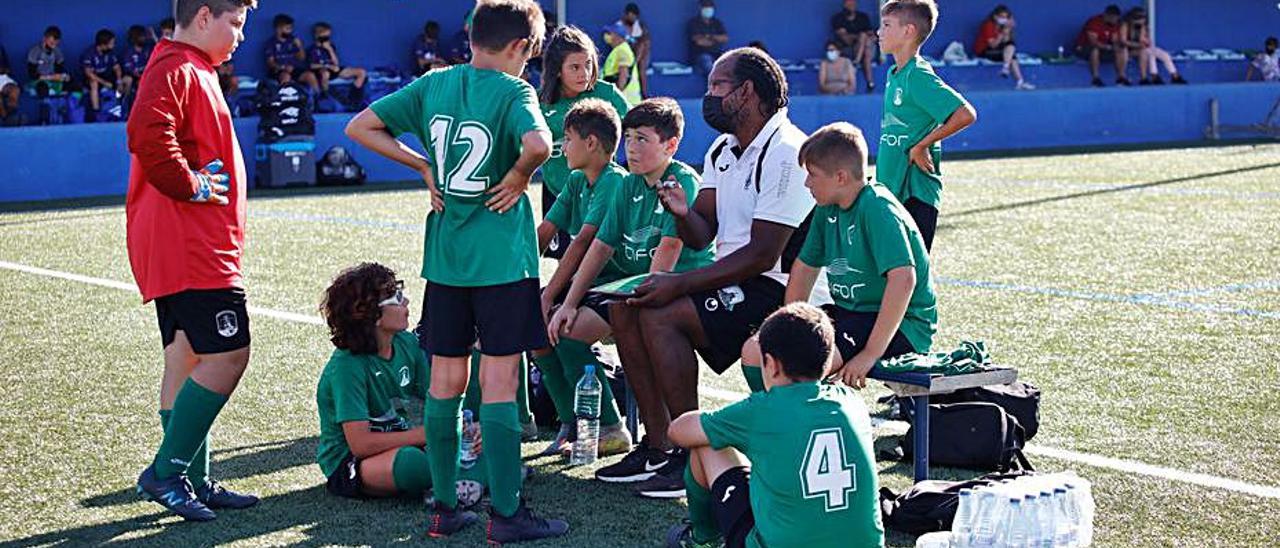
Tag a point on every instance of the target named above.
point(1139, 290)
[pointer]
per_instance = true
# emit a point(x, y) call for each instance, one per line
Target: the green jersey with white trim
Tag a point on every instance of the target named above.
point(916, 101)
point(813, 479)
point(472, 121)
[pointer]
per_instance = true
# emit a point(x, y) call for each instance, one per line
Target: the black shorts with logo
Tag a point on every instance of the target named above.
point(730, 315)
point(505, 318)
point(731, 506)
point(854, 328)
point(597, 302)
point(345, 481)
point(214, 320)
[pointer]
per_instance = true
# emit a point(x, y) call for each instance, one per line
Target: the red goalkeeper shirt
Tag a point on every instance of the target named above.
point(180, 122)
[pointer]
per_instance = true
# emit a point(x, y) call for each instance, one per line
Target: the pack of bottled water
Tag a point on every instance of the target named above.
point(1039, 511)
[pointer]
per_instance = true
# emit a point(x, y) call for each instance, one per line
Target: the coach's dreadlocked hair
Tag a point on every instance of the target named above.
point(565, 41)
point(766, 76)
point(350, 306)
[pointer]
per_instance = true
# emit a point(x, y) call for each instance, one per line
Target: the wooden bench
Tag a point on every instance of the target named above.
point(919, 386)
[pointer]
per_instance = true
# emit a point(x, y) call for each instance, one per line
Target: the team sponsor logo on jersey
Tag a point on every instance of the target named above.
point(840, 267)
point(228, 323)
point(891, 120)
point(388, 422)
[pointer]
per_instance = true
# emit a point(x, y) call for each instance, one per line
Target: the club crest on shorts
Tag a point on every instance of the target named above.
point(228, 323)
point(728, 297)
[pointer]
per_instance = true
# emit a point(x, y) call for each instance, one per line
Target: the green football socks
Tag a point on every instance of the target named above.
point(500, 433)
point(198, 472)
point(194, 410)
point(411, 471)
point(558, 387)
point(444, 427)
point(700, 516)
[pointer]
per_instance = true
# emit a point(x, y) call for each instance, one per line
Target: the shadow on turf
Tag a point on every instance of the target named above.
point(273, 457)
point(1110, 190)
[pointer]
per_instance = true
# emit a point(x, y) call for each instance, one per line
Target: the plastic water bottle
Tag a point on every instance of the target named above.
point(988, 516)
point(1016, 524)
point(586, 406)
point(1045, 520)
point(936, 539)
point(467, 445)
point(1064, 526)
point(962, 525)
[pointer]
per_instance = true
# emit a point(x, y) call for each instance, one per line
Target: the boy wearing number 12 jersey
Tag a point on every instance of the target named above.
point(790, 466)
point(485, 136)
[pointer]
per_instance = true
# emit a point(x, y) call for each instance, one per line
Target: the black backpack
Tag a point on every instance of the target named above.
point(931, 505)
point(1020, 399)
point(973, 435)
point(338, 167)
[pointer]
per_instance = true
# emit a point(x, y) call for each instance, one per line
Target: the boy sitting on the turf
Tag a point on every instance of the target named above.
point(637, 234)
point(486, 136)
point(591, 134)
point(367, 448)
point(920, 110)
point(790, 466)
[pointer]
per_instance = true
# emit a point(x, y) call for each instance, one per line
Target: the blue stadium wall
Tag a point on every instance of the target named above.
point(39, 163)
point(381, 32)
point(89, 160)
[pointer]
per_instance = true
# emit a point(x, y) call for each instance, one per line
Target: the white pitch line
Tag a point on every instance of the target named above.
point(1099, 461)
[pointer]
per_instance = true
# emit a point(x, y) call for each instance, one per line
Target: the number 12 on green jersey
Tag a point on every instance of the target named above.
point(461, 179)
point(825, 473)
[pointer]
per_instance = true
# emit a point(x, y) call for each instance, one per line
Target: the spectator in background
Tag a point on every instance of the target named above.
point(1099, 41)
point(9, 93)
point(836, 75)
point(323, 59)
point(428, 53)
point(1135, 33)
point(995, 42)
point(166, 28)
point(641, 43)
point(460, 49)
point(228, 81)
point(134, 61)
point(619, 65)
point(852, 30)
point(46, 66)
point(286, 58)
point(102, 70)
point(1266, 62)
point(707, 37)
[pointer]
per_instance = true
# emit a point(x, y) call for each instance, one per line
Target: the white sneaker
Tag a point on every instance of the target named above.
point(1024, 85)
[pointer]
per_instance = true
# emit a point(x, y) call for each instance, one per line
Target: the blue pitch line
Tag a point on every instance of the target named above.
point(1149, 300)
point(1247, 196)
point(330, 219)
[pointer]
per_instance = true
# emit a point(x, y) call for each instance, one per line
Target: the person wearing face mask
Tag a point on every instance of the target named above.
point(286, 58)
point(753, 205)
point(1266, 62)
point(836, 75)
point(323, 57)
point(1135, 33)
point(706, 37)
point(995, 42)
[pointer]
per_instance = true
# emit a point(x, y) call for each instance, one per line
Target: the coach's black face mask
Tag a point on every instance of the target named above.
point(714, 114)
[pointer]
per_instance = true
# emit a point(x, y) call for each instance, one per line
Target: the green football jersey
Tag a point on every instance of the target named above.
point(581, 204)
point(555, 173)
point(916, 102)
point(813, 477)
point(637, 222)
point(365, 387)
point(472, 121)
point(859, 245)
